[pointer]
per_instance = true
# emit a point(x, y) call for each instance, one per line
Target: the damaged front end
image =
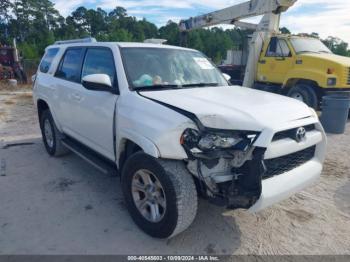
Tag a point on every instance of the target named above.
point(228, 166)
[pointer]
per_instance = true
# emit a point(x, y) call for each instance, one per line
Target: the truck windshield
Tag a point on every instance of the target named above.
point(313, 45)
point(166, 68)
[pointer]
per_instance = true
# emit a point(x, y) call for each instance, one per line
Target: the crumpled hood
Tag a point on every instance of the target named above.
point(234, 107)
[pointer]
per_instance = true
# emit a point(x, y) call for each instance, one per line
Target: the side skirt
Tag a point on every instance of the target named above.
point(101, 163)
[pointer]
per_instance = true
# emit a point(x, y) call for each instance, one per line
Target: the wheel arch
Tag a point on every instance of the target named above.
point(41, 106)
point(295, 81)
point(128, 145)
point(304, 74)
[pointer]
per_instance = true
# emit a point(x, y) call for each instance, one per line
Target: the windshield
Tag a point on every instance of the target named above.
point(313, 45)
point(164, 68)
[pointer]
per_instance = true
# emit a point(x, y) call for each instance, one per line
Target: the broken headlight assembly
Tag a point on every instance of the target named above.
point(227, 164)
point(215, 141)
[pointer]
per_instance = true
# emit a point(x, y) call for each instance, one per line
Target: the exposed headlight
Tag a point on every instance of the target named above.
point(210, 142)
point(195, 142)
point(331, 81)
point(190, 138)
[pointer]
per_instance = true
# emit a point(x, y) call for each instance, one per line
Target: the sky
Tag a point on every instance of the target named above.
point(326, 17)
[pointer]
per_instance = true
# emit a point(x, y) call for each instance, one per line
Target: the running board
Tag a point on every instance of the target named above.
point(99, 162)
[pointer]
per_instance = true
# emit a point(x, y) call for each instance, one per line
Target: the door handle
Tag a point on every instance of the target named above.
point(280, 58)
point(76, 96)
point(262, 62)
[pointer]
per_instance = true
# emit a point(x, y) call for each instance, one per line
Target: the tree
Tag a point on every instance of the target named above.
point(171, 33)
point(49, 13)
point(36, 24)
point(285, 31)
point(337, 45)
point(5, 7)
point(80, 22)
point(118, 13)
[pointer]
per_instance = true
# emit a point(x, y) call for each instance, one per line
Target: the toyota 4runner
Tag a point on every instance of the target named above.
point(168, 122)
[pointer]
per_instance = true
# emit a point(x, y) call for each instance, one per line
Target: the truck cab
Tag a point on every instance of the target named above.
point(302, 68)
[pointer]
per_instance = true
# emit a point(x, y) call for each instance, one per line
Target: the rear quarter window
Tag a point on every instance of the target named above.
point(47, 59)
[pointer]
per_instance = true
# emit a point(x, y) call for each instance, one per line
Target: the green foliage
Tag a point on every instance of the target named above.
point(337, 46)
point(36, 24)
point(28, 51)
point(285, 31)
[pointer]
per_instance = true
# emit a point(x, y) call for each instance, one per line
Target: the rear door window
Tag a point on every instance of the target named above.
point(47, 59)
point(99, 61)
point(70, 66)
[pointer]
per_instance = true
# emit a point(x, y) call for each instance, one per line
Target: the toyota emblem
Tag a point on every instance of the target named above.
point(300, 134)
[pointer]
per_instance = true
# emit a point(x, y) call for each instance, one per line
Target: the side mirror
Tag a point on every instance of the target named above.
point(273, 45)
point(227, 77)
point(97, 82)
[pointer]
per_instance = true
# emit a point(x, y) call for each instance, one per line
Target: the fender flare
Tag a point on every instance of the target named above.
point(36, 99)
point(144, 143)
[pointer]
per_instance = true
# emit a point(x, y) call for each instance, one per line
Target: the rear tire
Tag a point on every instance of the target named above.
point(178, 195)
point(304, 93)
point(51, 135)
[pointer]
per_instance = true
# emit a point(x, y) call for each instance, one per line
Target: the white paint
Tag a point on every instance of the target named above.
point(102, 79)
point(88, 116)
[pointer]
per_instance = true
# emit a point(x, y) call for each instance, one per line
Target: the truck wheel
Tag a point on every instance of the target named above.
point(304, 93)
point(160, 195)
point(51, 136)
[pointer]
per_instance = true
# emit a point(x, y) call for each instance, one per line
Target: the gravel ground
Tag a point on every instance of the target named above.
point(64, 206)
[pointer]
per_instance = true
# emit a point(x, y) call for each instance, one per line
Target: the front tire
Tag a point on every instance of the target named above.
point(304, 93)
point(51, 135)
point(160, 195)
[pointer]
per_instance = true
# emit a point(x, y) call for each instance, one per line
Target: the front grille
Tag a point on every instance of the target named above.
point(291, 133)
point(287, 163)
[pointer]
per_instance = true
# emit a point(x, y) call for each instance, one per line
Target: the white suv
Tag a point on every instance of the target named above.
point(168, 122)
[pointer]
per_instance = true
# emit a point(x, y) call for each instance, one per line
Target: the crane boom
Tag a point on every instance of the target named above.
point(269, 24)
point(235, 13)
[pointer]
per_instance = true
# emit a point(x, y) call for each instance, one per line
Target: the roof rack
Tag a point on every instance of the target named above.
point(155, 41)
point(75, 41)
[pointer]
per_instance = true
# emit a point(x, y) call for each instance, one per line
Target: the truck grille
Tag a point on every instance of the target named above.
point(291, 133)
point(287, 163)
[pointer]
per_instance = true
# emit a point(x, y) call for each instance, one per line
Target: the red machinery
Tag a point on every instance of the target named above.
point(10, 66)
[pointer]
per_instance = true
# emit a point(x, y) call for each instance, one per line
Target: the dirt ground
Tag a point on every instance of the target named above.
point(64, 206)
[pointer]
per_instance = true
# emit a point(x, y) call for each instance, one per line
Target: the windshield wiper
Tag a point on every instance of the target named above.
point(167, 87)
point(156, 87)
point(201, 85)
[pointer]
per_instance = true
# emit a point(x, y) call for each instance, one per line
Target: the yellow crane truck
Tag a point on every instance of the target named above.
point(296, 66)
point(302, 68)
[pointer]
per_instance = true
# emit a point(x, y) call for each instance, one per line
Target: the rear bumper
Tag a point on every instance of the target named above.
point(283, 186)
